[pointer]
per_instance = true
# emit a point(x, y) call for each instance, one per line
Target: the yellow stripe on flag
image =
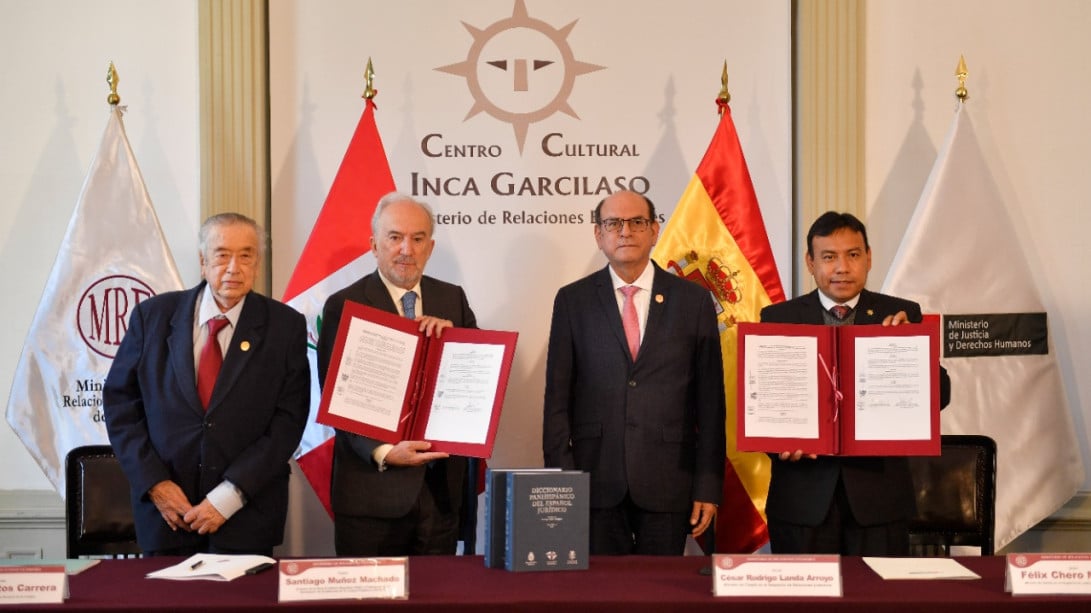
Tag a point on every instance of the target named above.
point(698, 245)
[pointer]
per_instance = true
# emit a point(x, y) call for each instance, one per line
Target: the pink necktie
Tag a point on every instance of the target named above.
point(840, 311)
point(211, 360)
point(629, 320)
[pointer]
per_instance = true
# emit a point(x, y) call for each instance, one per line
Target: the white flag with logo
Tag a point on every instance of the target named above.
point(961, 258)
point(113, 256)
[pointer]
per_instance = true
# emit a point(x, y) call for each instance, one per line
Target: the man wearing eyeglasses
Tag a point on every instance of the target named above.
point(634, 391)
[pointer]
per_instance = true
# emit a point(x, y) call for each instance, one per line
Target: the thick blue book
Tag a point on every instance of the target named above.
point(496, 502)
point(547, 521)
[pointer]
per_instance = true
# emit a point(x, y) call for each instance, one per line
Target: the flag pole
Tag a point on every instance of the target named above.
point(111, 78)
point(961, 93)
point(725, 96)
point(369, 80)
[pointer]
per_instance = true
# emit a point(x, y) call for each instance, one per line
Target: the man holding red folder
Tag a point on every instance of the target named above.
point(403, 499)
point(828, 504)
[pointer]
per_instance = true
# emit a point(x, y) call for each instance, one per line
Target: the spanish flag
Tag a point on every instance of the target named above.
point(716, 238)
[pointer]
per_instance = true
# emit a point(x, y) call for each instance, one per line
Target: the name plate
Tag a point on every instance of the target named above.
point(32, 585)
point(1056, 573)
point(776, 575)
point(343, 579)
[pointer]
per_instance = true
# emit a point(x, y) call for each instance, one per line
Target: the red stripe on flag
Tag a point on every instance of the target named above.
point(342, 231)
point(726, 178)
point(317, 466)
point(740, 528)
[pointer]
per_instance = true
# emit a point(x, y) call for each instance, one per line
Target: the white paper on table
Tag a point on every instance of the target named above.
point(465, 391)
point(919, 568)
point(780, 387)
point(893, 389)
point(211, 567)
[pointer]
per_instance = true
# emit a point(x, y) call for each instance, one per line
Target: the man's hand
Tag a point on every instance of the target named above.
point(795, 456)
point(172, 504)
point(898, 318)
point(702, 517)
point(434, 326)
point(412, 453)
point(204, 518)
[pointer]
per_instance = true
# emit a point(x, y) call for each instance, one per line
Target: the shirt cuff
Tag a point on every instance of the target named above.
point(379, 455)
point(227, 499)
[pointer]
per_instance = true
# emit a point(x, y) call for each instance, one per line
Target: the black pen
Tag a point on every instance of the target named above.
point(260, 567)
point(196, 565)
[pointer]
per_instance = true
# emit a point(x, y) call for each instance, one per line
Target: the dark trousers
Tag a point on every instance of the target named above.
point(628, 529)
point(840, 533)
point(428, 529)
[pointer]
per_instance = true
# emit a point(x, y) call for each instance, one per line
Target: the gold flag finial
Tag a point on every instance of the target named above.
point(725, 96)
point(112, 79)
point(369, 79)
point(961, 73)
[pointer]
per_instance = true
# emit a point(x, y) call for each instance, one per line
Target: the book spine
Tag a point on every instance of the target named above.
point(509, 520)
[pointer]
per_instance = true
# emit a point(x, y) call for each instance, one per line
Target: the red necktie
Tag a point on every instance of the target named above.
point(211, 360)
point(629, 320)
point(840, 311)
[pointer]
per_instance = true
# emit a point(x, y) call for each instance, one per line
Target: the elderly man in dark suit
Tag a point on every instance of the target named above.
point(634, 391)
point(393, 500)
point(206, 402)
point(851, 506)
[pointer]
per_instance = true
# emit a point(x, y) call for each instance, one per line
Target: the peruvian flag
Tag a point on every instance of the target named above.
point(337, 253)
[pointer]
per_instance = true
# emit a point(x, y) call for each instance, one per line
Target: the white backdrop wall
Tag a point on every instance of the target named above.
point(54, 73)
point(653, 97)
point(1030, 89)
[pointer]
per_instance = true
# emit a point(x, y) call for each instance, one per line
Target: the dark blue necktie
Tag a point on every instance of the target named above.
point(409, 304)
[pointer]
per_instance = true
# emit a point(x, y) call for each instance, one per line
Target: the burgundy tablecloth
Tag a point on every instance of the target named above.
point(629, 584)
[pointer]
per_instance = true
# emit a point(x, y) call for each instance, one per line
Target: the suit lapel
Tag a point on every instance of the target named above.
point(866, 310)
point(433, 301)
point(812, 309)
point(180, 347)
point(376, 294)
point(244, 344)
point(657, 304)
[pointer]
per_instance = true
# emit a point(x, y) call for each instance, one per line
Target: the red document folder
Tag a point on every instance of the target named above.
point(772, 398)
point(385, 382)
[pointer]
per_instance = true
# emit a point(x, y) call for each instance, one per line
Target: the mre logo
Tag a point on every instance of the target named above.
point(102, 315)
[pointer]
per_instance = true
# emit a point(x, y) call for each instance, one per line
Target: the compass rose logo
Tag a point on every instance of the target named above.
point(520, 70)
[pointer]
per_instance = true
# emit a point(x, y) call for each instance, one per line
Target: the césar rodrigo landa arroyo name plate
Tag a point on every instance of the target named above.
point(343, 579)
point(776, 575)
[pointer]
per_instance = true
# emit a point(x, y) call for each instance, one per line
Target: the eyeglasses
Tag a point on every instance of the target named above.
point(636, 224)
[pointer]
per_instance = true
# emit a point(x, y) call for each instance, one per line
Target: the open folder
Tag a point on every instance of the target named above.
point(839, 390)
point(389, 382)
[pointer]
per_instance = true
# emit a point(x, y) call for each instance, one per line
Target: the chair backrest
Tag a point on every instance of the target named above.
point(956, 496)
point(98, 512)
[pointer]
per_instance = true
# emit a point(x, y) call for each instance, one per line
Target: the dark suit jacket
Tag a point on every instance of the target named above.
point(879, 489)
point(357, 486)
point(653, 428)
point(255, 418)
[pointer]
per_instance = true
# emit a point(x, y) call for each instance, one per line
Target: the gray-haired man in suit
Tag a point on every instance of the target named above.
point(393, 500)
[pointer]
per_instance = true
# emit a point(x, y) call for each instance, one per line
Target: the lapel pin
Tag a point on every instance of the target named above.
point(659, 298)
point(245, 345)
point(870, 312)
